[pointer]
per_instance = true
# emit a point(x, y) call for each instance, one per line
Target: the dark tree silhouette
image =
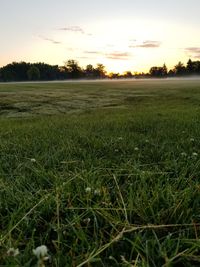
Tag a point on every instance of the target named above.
point(73, 69)
point(100, 71)
point(158, 72)
point(193, 67)
point(164, 70)
point(33, 73)
point(15, 71)
point(179, 69)
point(190, 67)
point(127, 74)
point(23, 71)
point(171, 73)
point(89, 71)
point(48, 72)
point(114, 75)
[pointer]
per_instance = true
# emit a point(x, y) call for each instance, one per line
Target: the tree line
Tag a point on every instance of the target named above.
point(191, 68)
point(22, 71)
point(179, 70)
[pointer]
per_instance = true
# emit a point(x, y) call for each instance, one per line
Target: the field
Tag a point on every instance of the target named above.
point(102, 173)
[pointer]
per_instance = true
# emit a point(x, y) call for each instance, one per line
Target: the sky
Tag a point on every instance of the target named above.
point(124, 35)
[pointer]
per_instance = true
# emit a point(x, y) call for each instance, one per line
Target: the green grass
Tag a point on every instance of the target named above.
point(132, 143)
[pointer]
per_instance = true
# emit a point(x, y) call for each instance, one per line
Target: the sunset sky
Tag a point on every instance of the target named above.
point(121, 34)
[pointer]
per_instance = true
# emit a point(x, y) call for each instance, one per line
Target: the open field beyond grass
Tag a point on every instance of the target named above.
point(102, 173)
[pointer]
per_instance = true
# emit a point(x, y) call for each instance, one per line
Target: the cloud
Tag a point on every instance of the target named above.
point(83, 57)
point(147, 44)
point(72, 29)
point(50, 40)
point(119, 55)
point(111, 55)
point(193, 49)
point(75, 29)
point(93, 52)
point(193, 52)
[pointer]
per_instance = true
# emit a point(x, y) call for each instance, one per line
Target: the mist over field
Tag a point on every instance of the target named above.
point(34, 99)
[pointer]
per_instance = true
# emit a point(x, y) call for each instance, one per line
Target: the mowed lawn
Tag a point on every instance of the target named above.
point(102, 173)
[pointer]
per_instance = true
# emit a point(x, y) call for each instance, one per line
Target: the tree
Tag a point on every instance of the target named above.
point(48, 72)
point(114, 75)
point(73, 69)
point(63, 73)
point(128, 74)
point(193, 67)
point(89, 71)
point(164, 70)
point(190, 67)
point(15, 71)
point(159, 72)
point(171, 73)
point(100, 71)
point(33, 73)
point(180, 69)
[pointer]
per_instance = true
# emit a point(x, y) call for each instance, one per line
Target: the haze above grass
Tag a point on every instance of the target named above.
point(26, 99)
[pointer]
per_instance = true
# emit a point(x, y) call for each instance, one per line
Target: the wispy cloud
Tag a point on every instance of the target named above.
point(111, 55)
point(72, 29)
point(50, 40)
point(147, 44)
point(93, 52)
point(193, 52)
point(83, 57)
point(119, 55)
point(75, 29)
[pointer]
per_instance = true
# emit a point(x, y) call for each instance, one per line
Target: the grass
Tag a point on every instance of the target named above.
point(109, 179)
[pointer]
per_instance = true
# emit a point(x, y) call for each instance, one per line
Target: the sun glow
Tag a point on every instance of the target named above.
point(121, 45)
point(128, 45)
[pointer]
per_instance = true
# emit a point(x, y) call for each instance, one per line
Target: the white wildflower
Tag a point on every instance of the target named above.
point(13, 252)
point(120, 138)
point(97, 192)
point(136, 149)
point(191, 139)
point(88, 190)
point(183, 154)
point(33, 160)
point(41, 252)
point(146, 141)
point(87, 220)
point(194, 154)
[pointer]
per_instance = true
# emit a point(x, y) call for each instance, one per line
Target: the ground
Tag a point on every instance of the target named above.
point(102, 173)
